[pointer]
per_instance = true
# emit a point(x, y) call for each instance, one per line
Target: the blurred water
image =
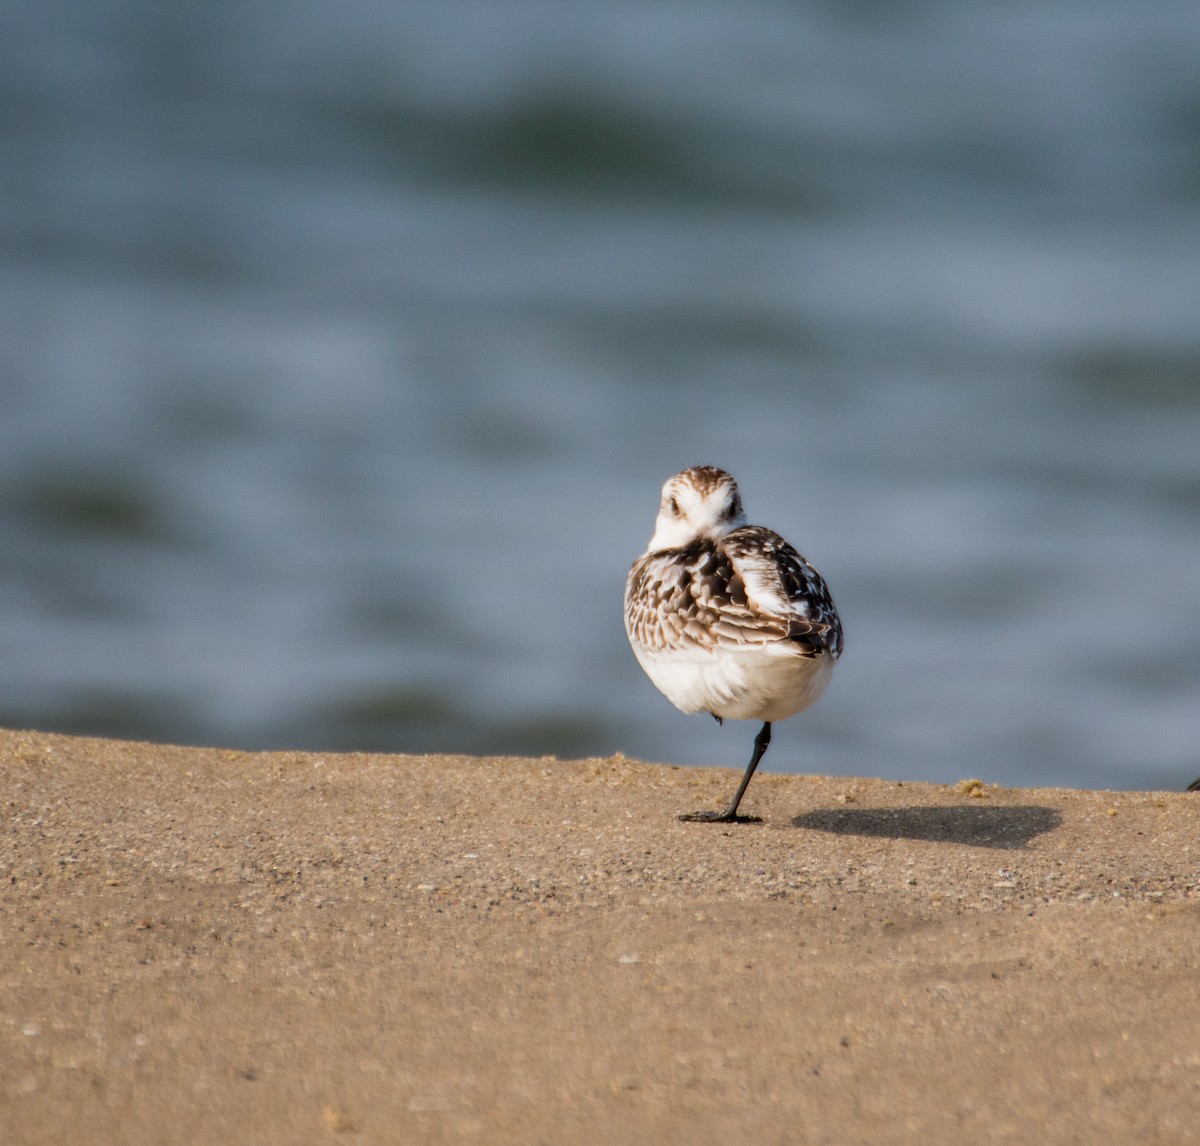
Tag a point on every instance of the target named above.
point(345, 348)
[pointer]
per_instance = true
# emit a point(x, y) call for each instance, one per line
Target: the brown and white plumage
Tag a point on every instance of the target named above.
point(726, 617)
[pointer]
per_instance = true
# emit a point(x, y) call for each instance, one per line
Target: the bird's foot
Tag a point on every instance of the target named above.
point(719, 818)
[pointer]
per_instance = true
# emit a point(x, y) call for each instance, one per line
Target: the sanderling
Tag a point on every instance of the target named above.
point(727, 618)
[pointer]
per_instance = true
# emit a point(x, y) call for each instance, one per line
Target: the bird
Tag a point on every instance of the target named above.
point(727, 618)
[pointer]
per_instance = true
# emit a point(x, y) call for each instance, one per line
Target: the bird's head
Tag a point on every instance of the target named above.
point(699, 502)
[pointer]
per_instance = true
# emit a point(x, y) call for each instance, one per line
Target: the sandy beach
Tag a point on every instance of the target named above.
point(207, 946)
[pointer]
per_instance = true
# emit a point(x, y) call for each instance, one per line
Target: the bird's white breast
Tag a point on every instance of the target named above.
point(770, 682)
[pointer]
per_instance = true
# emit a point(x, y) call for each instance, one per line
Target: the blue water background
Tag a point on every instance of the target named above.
point(344, 348)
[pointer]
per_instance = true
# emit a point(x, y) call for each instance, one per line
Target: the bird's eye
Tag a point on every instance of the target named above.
point(673, 506)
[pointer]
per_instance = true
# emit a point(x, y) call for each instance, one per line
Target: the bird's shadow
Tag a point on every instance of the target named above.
point(1009, 828)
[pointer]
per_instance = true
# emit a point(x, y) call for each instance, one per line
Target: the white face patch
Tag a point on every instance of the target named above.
point(700, 502)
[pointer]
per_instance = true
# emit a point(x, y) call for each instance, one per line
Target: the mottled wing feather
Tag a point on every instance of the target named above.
point(749, 589)
point(781, 583)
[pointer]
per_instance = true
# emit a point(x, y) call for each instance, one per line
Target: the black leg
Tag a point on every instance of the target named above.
point(730, 816)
